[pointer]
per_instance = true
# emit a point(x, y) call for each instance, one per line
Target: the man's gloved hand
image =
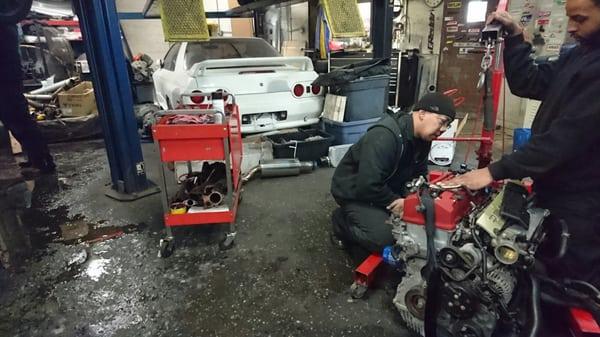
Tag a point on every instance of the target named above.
point(512, 27)
point(396, 207)
point(473, 180)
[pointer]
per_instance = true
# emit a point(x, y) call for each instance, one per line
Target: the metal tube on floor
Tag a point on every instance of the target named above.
point(285, 167)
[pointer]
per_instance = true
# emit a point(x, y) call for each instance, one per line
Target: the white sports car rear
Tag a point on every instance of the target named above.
point(272, 92)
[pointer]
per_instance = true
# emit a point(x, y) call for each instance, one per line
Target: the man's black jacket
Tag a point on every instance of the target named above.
point(563, 154)
point(375, 169)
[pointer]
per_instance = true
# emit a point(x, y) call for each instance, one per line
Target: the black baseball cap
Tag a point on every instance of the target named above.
point(437, 103)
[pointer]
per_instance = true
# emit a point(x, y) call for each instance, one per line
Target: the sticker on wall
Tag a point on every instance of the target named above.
point(526, 19)
point(450, 36)
point(452, 29)
point(474, 30)
point(461, 25)
point(467, 44)
point(544, 14)
point(449, 41)
point(454, 5)
point(448, 18)
point(452, 23)
point(464, 51)
point(553, 48)
point(543, 22)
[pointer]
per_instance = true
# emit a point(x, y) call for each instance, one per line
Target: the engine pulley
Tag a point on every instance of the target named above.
point(458, 302)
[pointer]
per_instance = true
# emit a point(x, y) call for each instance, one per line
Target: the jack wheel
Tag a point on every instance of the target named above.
point(228, 242)
point(166, 247)
point(358, 291)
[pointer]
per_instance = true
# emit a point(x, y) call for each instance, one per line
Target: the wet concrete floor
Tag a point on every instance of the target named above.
point(91, 265)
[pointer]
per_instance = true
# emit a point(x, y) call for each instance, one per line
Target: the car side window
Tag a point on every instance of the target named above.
point(169, 62)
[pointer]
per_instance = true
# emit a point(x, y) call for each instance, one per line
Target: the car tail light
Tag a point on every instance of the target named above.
point(197, 99)
point(315, 89)
point(298, 90)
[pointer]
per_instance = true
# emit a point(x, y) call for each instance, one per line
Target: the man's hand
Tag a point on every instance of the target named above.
point(512, 27)
point(473, 180)
point(397, 206)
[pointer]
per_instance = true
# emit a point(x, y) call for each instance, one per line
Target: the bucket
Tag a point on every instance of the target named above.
point(520, 138)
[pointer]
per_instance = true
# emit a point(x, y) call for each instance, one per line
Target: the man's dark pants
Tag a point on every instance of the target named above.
point(14, 116)
point(13, 106)
point(364, 225)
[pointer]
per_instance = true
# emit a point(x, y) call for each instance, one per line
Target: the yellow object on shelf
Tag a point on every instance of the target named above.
point(180, 210)
point(343, 18)
point(183, 20)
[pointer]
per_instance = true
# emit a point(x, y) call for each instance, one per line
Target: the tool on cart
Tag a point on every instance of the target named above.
point(212, 134)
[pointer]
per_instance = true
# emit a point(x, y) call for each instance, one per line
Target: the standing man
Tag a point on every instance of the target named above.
point(13, 106)
point(563, 154)
point(370, 181)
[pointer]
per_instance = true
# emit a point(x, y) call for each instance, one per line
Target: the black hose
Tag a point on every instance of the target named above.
point(564, 238)
point(535, 306)
point(483, 257)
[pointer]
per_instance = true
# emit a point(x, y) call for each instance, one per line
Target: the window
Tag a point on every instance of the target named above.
point(171, 57)
point(227, 49)
point(476, 11)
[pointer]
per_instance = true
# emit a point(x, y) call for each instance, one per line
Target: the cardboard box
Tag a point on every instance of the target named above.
point(78, 101)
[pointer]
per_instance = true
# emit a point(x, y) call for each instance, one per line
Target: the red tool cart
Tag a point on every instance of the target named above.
point(219, 140)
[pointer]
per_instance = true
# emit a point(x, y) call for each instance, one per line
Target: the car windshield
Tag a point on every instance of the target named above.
point(227, 49)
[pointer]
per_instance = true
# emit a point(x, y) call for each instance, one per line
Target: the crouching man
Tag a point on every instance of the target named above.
point(370, 181)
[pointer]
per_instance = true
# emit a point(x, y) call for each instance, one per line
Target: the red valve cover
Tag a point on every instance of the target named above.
point(450, 206)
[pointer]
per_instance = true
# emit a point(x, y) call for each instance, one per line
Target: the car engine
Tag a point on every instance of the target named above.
point(482, 240)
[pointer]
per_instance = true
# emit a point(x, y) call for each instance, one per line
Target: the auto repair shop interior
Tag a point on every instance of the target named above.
point(194, 145)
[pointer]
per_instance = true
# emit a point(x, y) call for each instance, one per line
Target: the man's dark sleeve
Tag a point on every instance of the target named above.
point(526, 79)
point(569, 136)
point(376, 163)
point(421, 168)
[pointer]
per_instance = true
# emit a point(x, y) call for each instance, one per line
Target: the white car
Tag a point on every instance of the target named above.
point(272, 92)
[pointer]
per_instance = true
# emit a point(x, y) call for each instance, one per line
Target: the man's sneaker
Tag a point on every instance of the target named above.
point(32, 172)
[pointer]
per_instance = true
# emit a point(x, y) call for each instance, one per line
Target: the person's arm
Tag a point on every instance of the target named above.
point(525, 78)
point(421, 168)
point(569, 136)
point(376, 163)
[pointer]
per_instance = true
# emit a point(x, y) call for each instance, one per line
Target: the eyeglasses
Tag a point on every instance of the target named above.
point(444, 121)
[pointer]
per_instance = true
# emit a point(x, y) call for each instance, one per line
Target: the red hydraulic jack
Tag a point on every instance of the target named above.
point(364, 275)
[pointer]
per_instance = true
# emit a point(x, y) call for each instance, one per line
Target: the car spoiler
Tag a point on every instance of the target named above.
point(302, 62)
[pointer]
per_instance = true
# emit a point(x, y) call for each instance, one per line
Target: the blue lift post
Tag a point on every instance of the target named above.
point(102, 37)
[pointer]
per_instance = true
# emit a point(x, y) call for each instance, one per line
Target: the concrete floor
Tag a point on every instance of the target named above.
point(90, 265)
point(282, 278)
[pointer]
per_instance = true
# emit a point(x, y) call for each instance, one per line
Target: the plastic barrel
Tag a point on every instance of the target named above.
point(520, 138)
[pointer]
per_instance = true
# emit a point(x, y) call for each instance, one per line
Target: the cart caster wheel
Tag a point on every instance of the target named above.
point(166, 248)
point(358, 291)
point(228, 241)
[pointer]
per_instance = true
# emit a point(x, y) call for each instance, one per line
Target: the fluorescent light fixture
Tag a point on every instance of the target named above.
point(476, 11)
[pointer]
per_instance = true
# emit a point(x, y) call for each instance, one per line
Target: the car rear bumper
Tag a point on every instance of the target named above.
point(264, 110)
